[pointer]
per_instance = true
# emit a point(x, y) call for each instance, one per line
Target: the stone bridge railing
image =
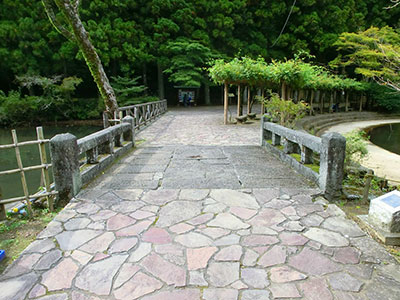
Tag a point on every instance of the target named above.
point(302, 150)
point(143, 113)
point(76, 162)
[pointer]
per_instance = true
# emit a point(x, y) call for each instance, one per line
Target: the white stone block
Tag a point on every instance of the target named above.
point(384, 212)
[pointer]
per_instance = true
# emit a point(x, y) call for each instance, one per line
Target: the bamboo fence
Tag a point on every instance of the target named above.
point(44, 167)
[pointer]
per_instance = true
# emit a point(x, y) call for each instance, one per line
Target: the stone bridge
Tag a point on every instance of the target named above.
point(199, 211)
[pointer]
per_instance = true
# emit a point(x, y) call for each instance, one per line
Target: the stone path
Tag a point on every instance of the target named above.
point(117, 240)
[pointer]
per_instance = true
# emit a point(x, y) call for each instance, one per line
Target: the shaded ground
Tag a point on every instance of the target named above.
point(177, 219)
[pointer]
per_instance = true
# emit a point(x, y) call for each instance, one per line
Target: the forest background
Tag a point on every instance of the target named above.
point(156, 45)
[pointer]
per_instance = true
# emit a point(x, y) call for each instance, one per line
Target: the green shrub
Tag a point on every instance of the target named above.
point(356, 147)
point(285, 111)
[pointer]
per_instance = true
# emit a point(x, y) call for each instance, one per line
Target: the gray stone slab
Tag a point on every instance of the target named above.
point(143, 169)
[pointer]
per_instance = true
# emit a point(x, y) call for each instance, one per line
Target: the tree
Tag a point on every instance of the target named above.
point(375, 53)
point(393, 4)
point(70, 13)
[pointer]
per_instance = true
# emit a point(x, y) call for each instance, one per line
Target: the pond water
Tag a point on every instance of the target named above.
point(11, 184)
point(387, 137)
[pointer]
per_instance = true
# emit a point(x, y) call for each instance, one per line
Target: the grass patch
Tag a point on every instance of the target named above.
point(313, 167)
point(17, 232)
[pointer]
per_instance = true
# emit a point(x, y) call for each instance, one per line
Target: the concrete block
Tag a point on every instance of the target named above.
point(384, 212)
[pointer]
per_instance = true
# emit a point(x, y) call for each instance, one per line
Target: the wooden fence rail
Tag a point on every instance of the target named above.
point(44, 167)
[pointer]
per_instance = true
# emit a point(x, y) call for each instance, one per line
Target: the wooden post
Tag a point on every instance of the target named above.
point(331, 103)
point(23, 178)
point(368, 179)
point(239, 103)
point(321, 105)
point(3, 214)
point(225, 103)
point(248, 100)
point(311, 102)
point(262, 103)
point(45, 171)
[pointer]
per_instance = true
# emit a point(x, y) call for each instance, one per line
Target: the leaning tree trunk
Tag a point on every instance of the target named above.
point(81, 37)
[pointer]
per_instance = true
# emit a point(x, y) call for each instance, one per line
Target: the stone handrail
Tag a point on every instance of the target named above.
point(330, 147)
point(143, 113)
point(99, 149)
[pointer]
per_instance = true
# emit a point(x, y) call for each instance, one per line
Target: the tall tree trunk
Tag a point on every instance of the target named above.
point(81, 37)
point(225, 104)
point(262, 103)
point(144, 72)
point(283, 91)
point(239, 102)
point(361, 102)
point(331, 103)
point(248, 100)
point(160, 77)
point(207, 99)
point(346, 108)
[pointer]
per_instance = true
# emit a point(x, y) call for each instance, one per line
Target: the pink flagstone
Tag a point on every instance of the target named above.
point(60, 277)
point(156, 236)
point(259, 240)
point(123, 245)
point(315, 289)
point(231, 253)
point(141, 214)
point(347, 255)
point(285, 274)
point(313, 263)
point(187, 294)
point(292, 239)
point(166, 271)
point(198, 258)
point(285, 290)
point(136, 229)
point(139, 285)
point(181, 228)
point(275, 256)
point(119, 221)
point(243, 213)
point(99, 244)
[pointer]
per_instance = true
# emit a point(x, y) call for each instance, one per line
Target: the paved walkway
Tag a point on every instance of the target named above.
point(178, 221)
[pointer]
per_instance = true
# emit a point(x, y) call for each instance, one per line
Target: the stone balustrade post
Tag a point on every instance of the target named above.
point(276, 139)
point(130, 134)
point(332, 165)
point(306, 155)
point(288, 146)
point(64, 154)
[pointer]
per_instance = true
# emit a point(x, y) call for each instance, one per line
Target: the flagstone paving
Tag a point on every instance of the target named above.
point(268, 241)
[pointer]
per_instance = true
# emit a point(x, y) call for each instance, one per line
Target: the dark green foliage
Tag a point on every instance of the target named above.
point(50, 99)
point(126, 89)
point(385, 99)
point(131, 37)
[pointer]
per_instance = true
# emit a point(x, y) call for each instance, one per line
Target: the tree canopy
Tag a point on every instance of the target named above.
point(374, 53)
point(135, 38)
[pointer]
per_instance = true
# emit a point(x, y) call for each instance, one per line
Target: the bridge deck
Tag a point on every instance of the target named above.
point(199, 211)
